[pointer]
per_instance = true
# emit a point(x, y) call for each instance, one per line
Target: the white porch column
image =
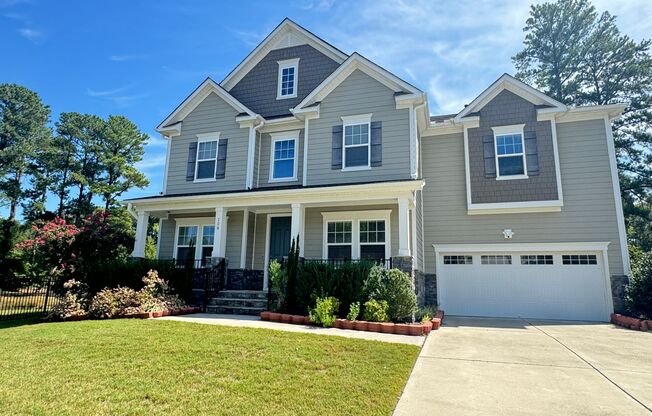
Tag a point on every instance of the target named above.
point(219, 245)
point(245, 238)
point(141, 234)
point(297, 225)
point(403, 227)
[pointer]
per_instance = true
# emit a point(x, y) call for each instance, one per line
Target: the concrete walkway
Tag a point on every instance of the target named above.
point(255, 322)
point(476, 366)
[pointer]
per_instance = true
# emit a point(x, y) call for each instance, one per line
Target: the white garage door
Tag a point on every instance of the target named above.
point(544, 285)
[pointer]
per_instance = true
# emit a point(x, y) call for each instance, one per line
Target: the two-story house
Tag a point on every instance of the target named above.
point(510, 207)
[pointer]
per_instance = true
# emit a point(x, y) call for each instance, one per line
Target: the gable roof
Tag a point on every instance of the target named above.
point(195, 98)
point(508, 82)
point(357, 61)
point(286, 34)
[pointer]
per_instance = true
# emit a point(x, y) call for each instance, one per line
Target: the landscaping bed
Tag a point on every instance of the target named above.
point(138, 315)
point(631, 323)
point(419, 329)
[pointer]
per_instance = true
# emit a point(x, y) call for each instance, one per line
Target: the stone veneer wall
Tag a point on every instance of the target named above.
point(618, 285)
point(244, 279)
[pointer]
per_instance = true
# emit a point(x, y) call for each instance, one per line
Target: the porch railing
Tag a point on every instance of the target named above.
point(386, 263)
point(208, 281)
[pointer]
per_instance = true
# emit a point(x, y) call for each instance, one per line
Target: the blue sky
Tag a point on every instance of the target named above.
point(142, 58)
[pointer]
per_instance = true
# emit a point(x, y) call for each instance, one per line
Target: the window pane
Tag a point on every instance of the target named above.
point(357, 156)
point(205, 170)
point(339, 232)
point(184, 253)
point(283, 169)
point(187, 235)
point(208, 235)
point(206, 252)
point(339, 252)
point(511, 165)
point(375, 251)
point(207, 150)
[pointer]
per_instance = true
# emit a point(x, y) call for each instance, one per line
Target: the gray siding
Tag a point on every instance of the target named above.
point(258, 89)
point(506, 109)
point(212, 115)
point(359, 94)
point(250, 240)
point(265, 157)
point(234, 238)
point(588, 214)
point(166, 248)
point(314, 227)
point(259, 249)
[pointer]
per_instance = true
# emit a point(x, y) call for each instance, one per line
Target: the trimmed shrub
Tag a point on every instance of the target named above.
point(376, 311)
point(278, 284)
point(639, 291)
point(324, 312)
point(425, 314)
point(395, 287)
point(74, 302)
point(354, 311)
point(108, 303)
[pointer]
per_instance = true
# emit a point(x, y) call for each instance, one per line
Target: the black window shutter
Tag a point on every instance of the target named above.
point(192, 158)
point(336, 149)
point(376, 143)
point(221, 159)
point(531, 154)
point(489, 156)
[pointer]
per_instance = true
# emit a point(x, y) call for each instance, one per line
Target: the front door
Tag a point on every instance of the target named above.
point(279, 238)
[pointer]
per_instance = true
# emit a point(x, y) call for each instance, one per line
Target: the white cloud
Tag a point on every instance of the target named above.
point(119, 96)
point(32, 35)
point(150, 163)
point(318, 5)
point(124, 58)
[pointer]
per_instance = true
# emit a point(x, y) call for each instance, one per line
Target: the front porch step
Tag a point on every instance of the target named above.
point(239, 302)
point(242, 294)
point(238, 310)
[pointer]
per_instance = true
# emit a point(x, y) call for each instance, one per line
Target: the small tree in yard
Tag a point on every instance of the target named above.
point(639, 291)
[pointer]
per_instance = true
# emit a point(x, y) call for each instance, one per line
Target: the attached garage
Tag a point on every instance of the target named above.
point(542, 281)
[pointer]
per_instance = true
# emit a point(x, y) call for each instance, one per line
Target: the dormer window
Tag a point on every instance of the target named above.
point(288, 72)
point(510, 152)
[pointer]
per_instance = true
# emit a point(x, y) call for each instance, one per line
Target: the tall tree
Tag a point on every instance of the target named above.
point(39, 170)
point(582, 58)
point(23, 127)
point(120, 147)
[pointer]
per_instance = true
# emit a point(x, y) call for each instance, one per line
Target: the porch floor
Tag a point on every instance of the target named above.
point(255, 322)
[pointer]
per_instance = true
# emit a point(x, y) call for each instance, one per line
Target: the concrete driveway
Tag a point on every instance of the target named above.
point(485, 366)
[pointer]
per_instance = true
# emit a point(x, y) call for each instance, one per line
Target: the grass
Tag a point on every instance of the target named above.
point(138, 367)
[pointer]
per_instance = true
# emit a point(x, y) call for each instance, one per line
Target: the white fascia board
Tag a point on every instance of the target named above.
point(201, 92)
point(593, 112)
point(171, 130)
point(512, 84)
point(520, 247)
point(353, 193)
point(356, 61)
point(514, 207)
point(267, 45)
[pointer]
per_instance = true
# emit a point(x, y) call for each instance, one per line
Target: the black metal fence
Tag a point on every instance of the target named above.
point(207, 282)
point(27, 302)
point(386, 263)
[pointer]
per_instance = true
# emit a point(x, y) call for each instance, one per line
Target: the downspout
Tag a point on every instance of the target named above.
point(252, 152)
point(417, 142)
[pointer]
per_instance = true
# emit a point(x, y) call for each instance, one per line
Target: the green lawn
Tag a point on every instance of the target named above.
point(144, 367)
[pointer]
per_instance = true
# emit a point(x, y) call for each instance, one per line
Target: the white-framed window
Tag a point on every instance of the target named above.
point(356, 142)
point(579, 259)
point(206, 163)
point(357, 235)
point(283, 157)
point(288, 73)
point(510, 152)
point(207, 241)
point(496, 259)
point(186, 242)
point(537, 259)
point(458, 259)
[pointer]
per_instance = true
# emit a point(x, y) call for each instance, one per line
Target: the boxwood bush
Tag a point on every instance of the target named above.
point(639, 290)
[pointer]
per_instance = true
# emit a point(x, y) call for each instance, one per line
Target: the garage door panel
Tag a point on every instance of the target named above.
point(544, 291)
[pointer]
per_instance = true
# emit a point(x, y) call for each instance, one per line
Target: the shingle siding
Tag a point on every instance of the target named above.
point(588, 214)
point(258, 89)
point(359, 94)
point(212, 115)
point(506, 109)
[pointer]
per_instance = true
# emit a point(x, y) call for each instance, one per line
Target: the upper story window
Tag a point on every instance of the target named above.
point(288, 72)
point(510, 153)
point(356, 146)
point(283, 165)
point(206, 157)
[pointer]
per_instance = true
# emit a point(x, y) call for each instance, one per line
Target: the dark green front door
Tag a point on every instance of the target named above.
point(279, 239)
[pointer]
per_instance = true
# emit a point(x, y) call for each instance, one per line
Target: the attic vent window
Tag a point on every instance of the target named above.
point(288, 72)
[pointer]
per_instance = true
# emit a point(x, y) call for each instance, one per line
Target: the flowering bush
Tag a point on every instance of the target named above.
point(156, 296)
point(74, 303)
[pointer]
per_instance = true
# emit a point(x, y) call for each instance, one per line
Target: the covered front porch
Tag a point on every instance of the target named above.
point(249, 229)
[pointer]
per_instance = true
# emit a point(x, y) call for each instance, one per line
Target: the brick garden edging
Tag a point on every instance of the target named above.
point(631, 323)
point(384, 327)
point(141, 315)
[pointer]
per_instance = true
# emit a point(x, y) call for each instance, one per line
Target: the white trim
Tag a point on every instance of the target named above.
point(168, 145)
point(514, 207)
point(286, 64)
point(267, 239)
point(504, 131)
point(206, 138)
point(356, 61)
point(268, 44)
point(592, 112)
point(158, 238)
point(200, 223)
point(283, 136)
point(304, 178)
point(355, 217)
point(615, 182)
point(196, 97)
point(507, 82)
point(555, 149)
point(245, 238)
point(467, 168)
point(356, 120)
